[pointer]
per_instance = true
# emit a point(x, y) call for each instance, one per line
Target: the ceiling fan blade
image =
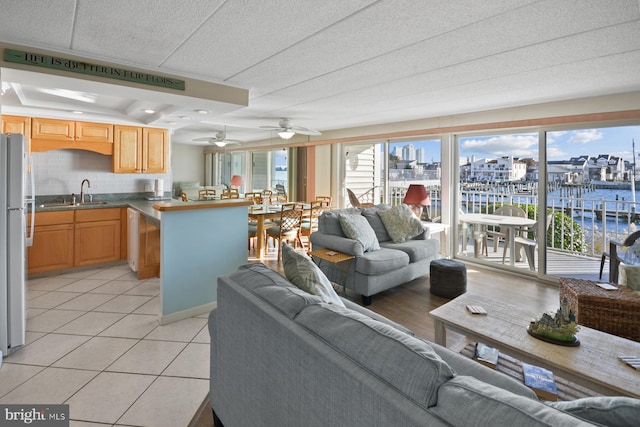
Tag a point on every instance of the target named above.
point(206, 138)
point(271, 127)
point(305, 131)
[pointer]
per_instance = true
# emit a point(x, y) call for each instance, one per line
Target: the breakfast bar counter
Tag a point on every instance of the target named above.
point(198, 243)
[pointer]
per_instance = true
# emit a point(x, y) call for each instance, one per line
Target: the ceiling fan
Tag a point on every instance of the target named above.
point(286, 130)
point(220, 139)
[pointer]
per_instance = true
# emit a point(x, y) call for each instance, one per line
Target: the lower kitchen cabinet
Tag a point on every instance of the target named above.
point(66, 239)
point(149, 249)
point(52, 242)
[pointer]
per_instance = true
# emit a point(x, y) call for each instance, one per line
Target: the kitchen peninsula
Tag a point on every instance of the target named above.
point(198, 242)
point(195, 242)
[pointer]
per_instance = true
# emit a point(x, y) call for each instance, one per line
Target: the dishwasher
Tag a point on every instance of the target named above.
point(132, 238)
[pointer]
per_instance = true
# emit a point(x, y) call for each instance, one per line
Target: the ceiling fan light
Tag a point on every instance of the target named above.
point(220, 143)
point(286, 134)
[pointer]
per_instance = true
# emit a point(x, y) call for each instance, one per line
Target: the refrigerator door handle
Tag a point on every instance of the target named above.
point(30, 231)
point(31, 202)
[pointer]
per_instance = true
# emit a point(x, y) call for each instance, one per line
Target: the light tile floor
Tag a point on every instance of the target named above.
point(94, 342)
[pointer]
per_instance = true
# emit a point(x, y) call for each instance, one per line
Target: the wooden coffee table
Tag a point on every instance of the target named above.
point(593, 364)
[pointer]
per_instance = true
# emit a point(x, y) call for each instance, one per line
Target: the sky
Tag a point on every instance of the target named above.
point(561, 145)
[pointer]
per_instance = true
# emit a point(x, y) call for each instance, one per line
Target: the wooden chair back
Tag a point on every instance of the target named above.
point(255, 197)
point(230, 193)
point(203, 194)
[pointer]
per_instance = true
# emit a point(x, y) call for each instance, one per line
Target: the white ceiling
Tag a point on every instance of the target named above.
point(328, 64)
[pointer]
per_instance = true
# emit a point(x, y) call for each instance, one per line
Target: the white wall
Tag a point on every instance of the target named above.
point(62, 171)
point(187, 163)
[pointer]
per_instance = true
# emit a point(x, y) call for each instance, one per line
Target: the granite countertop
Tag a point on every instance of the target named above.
point(144, 206)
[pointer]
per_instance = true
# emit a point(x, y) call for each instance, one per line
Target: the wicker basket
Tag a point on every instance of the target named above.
point(616, 312)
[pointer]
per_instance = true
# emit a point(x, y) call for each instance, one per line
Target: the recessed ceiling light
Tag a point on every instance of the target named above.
point(202, 112)
point(149, 111)
point(78, 112)
point(185, 117)
point(170, 123)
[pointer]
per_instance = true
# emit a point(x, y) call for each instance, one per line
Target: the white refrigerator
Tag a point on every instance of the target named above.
point(17, 196)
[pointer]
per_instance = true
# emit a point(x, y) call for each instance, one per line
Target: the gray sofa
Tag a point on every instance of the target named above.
point(282, 357)
point(373, 271)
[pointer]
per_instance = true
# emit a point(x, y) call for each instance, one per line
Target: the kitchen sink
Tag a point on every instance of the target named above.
point(56, 204)
point(91, 203)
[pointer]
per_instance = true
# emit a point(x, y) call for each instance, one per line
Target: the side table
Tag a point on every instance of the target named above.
point(339, 259)
point(443, 231)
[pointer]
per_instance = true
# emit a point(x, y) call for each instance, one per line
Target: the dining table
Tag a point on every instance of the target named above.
point(261, 214)
point(511, 223)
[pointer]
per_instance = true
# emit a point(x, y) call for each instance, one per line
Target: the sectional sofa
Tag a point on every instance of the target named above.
point(281, 356)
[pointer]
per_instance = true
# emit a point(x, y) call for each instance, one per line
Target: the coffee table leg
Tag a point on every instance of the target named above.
point(440, 332)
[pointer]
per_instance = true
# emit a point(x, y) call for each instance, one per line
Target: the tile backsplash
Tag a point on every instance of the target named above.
point(62, 171)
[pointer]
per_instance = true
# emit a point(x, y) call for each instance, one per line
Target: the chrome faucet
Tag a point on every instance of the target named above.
point(82, 189)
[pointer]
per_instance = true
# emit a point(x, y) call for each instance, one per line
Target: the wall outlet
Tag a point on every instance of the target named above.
point(148, 187)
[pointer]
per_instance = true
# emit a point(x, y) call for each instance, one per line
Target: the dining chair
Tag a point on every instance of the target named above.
point(256, 197)
point(230, 193)
point(289, 226)
point(279, 199)
point(204, 194)
point(614, 255)
point(496, 232)
point(266, 195)
point(326, 200)
point(310, 223)
point(529, 245)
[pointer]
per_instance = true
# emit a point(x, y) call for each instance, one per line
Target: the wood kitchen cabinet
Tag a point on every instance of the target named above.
point(52, 242)
point(74, 238)
point(140, 150)
point(18, 124)
point(52, 134)
point(97, 236)
point(148, 249)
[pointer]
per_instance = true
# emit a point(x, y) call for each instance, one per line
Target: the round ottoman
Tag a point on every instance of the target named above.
point(448, 278)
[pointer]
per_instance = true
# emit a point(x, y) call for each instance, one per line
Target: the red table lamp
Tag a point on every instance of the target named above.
point(236, 181)
point(417, 197)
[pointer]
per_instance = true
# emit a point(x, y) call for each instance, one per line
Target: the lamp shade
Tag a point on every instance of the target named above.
point(417, 196)
point(236, 180)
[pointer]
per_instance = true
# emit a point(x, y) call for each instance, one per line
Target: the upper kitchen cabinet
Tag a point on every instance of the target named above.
point(52, 134)
point(140, 150)
point(18, 124)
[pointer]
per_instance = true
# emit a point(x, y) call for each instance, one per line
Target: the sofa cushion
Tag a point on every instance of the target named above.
point(356, 227)
point(270, 286)
point(416, 249)
point(329, 223)
point(402, 361)
point(371, 214)
point(381, 261)
point(467, 401)
point(401, 223)
point(605, 410)
point(306, 275)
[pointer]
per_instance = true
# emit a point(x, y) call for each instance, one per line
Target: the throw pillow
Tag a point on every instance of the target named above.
point(401, 223)
point(302, 272)
point(371, 214)
point(605, 410)
point(356, 227)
